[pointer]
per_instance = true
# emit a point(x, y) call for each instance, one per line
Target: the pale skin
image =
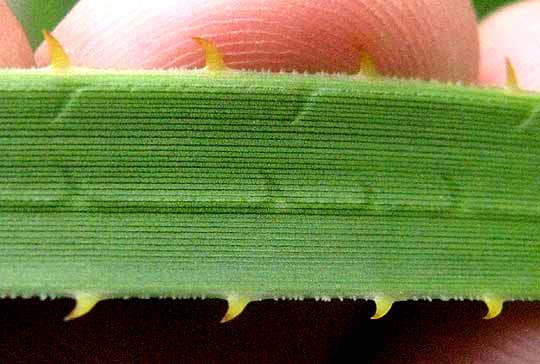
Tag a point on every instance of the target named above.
point(413, 38)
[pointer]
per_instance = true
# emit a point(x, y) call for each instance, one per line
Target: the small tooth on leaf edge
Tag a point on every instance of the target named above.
point(383, 305)
point(494, 305)
point(367, 66)
point(236, 305)
point(59, 58)
point(84, 302)
point(212, 56)
point(511, 78)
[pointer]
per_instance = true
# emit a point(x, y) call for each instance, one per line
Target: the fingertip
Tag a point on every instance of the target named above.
point(511, 33)
point(15, 51)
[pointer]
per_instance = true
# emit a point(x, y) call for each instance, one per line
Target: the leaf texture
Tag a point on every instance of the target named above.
point(267, 185)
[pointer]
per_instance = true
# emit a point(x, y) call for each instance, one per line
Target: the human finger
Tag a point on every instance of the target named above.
point(426, 38)
point(15, 51)
point(513, 33)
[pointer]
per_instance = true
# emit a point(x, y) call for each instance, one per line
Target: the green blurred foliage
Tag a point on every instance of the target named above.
point(484, 7)
point(36, 15)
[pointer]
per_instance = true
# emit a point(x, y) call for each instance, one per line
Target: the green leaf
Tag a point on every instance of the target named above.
point(266, 185)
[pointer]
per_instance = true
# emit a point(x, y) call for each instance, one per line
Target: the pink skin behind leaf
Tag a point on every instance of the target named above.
point(15, 51)
point(423, 38)
point(513, 32)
